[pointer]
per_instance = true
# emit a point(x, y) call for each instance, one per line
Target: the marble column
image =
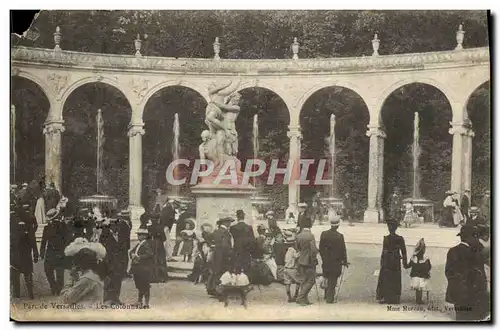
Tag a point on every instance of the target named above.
point(373, 212)
point(135, 133)
point(461, 162)
point(294, 155)
point(52, 131)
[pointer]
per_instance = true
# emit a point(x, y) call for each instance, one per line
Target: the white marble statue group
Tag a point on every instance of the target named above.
point(220, 141)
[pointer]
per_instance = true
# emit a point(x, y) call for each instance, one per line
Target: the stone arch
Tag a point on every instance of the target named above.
point(87, 80)
point(471, 93)
point(270, 88)
point(41, 84)
point(447, 92)
point(171, 83)
point(325, 84)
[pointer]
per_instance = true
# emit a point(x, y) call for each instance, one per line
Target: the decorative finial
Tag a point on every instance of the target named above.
point(375, 45)
point(57, 39)
point(216, 45)
point(295, 49)
point(138, 44)
point(460, 37)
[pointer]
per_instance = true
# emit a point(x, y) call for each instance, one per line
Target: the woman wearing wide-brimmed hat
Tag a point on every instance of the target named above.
point(393, 253)
point(450, 205)
point(85, 287)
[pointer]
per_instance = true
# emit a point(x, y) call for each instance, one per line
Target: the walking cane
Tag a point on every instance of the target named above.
point(317, 292)
point(340, 284)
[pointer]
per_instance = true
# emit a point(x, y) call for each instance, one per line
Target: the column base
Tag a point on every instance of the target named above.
point(135, 215)
point(371, 216)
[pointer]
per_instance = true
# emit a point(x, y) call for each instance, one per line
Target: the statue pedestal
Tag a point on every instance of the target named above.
point(216, 201)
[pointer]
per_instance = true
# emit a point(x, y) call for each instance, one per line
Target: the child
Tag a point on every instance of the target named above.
point(291, 274)
point(188, 237)
point(142, 264)
point(420, 270)
point(279, 249)
point(409, 215)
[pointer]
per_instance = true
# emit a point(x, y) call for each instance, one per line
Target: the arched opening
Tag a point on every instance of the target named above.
point(269, 135)
point(80, 142)
point(158, 142)
point(479, 112)
point(351, 148)
point(28, 114)
point(433, 169)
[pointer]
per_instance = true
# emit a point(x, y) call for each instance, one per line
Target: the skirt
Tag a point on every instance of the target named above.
point(419, 283)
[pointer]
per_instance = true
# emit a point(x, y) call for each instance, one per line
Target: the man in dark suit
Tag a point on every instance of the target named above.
point(465, 204)
point(244, 240)
point(307, 260)
point(475, 218)
point(221, 257)
point(303, 220)
point(333, 254)
point(113, 262)
point(167, 220)
point(181, 225)
point(124, 226)
point(467, 286)
point(395, 205)
point(56, 236)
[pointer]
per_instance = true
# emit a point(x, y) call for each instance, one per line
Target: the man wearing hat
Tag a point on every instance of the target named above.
point(124, 226)
point(221, 257)
point(180, 226)
point(465, 204)
point(307, 260)
point(464, 270)
point(159, 200)
point(244, 240)
point(23, 252)
point(333, 254)
point(56, 236)
point(303, 220)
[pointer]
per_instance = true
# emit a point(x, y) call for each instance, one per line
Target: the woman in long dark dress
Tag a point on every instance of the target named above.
point(160, 274)
point(393, 251)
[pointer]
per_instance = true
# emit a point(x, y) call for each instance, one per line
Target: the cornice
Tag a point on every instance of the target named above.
point(415, 61)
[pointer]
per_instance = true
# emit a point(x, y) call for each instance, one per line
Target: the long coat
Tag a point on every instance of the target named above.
point(466, 276)
point(333, 252)
point(305, 245)
point(304, 221)
point(56, 236)
point(464, 206)
point(221, 258)
point(23, 249)
point(244, 243)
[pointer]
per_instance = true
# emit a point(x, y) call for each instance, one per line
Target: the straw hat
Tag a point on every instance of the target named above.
point(142, 231)
point(52, 214)
point(333, 218)
point(81, 243)
point(302, 205)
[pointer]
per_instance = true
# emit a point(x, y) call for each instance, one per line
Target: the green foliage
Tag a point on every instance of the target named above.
point(255, 35)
